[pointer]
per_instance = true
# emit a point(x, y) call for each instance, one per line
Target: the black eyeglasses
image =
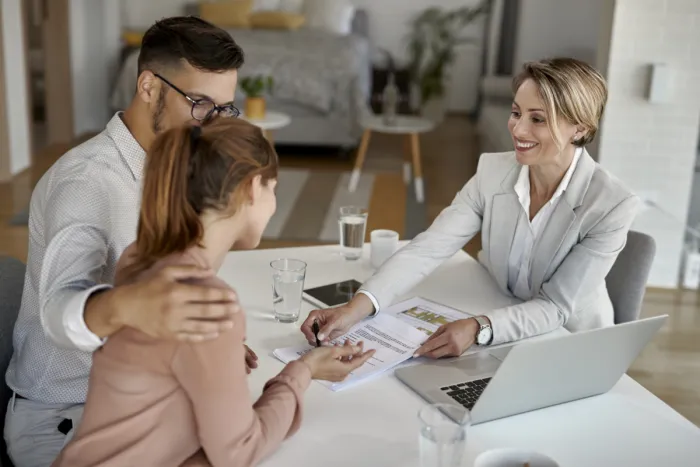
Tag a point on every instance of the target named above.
point(203, 108)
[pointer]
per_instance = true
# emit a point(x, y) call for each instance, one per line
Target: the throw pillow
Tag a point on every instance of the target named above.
point(132, 38)
point(231, 14)
point(276, 20)
point(292, 6)
point(266, 5)
point(334, 16)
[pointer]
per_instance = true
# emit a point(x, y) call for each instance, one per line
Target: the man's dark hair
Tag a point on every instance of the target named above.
point(203, 45)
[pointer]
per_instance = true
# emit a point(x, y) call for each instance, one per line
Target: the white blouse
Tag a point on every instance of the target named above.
point(527, 232)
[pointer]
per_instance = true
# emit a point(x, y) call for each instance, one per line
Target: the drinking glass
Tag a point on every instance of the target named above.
point(353, 223)
point(443, 435)
point(287, 285)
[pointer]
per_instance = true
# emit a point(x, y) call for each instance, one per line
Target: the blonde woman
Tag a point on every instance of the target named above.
point(552, 222)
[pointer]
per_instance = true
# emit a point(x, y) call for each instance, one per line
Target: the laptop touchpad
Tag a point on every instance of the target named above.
point(481, 364)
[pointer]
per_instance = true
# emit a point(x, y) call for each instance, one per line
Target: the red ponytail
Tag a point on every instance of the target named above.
point(189, 170)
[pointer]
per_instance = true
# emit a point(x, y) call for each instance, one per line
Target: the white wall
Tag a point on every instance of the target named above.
point(558, 27)
point(389, 26)
point(652, 146)
point(140, 14)
point(12, 42)
point(95, 43)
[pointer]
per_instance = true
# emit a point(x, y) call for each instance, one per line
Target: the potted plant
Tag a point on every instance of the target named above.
point(255, 87)
point(434, 36)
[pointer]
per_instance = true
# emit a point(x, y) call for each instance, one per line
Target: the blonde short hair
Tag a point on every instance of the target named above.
point(570, 89)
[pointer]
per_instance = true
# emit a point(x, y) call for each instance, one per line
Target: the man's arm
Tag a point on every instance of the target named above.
point(76, 226)
point(79, 311)
point(101, 317)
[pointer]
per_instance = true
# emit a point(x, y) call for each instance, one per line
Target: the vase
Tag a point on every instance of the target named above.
point(390, 101)
point(255, 108)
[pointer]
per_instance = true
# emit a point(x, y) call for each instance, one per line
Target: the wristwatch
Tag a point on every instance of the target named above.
point(485, 334)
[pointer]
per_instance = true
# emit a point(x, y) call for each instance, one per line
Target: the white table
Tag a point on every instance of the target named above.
point(375, 423)
point(407, 125)
point(271, 121)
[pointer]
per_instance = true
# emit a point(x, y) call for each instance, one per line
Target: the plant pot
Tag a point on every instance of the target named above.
point(255, 108)
point(434, 110)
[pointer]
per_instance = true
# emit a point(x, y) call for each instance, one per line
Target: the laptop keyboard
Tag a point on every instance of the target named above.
point(466, 394)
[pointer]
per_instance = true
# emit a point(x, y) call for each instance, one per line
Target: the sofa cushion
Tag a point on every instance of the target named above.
point(132, 38)
point(497, 88)
point(266, 5)
point(291, 6)
point(334, 16)
point(231, 14)
point(276, 20)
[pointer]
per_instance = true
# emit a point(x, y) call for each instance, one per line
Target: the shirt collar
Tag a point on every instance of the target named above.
point(564, 184)
point(128, 147)
point(522, 185)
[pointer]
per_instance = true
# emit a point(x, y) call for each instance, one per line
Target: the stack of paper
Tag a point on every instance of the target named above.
point(395, 334)
point(425, 315)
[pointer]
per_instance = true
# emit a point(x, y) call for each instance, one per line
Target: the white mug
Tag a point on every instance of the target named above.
point(383, 244)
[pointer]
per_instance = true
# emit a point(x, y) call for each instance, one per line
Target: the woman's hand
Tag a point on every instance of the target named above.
point(251, 360)
point(334, 322)
point(450, 340)
point(334, 363)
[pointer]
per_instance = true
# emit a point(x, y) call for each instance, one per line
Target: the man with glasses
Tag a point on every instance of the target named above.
point(83, 214)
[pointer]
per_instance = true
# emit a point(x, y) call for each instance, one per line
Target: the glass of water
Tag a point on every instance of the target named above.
point(443, 435)
point(287, 285)
point(353, 223)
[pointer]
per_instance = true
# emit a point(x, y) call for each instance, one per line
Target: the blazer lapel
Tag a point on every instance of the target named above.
point(549, 242)
point(505, 212)
point(561, 221)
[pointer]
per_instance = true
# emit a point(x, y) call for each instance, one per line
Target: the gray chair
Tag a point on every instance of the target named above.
point(627, 279)
point(11, 285)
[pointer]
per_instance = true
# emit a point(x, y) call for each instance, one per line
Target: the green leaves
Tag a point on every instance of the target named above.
point(432, 41)
point(256, 86)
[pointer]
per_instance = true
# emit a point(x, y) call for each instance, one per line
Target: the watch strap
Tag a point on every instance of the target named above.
point(483, 323)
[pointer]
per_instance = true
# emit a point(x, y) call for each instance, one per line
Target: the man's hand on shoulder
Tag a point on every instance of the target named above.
point(165, 306)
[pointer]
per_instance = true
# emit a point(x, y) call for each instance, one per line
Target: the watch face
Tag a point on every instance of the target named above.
point(484, 336)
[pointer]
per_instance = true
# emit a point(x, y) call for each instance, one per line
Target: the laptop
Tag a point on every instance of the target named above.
point(532, 375)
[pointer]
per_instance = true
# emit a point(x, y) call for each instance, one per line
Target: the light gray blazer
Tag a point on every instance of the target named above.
point(571, 258)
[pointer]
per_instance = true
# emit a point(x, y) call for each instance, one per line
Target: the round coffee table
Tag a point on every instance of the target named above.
point(407, 125)
point(271, 121)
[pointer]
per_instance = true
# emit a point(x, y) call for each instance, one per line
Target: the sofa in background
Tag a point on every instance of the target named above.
point(492, 123)
point(322, 79)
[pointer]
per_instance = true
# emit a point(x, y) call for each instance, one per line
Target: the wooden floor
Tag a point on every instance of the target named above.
point(669, 366)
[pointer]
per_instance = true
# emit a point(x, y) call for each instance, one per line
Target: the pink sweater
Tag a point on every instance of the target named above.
point(160, 403)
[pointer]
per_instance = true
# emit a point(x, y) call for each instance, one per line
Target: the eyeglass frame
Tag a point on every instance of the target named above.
point(195, 102)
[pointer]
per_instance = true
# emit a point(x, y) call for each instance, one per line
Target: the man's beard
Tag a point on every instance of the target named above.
point(157, 122)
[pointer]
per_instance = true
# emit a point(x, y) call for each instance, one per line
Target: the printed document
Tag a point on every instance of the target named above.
point(395, 334)
point(425, 315)
point(393, 340)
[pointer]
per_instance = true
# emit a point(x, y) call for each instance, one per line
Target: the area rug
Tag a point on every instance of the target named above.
point(308, 202)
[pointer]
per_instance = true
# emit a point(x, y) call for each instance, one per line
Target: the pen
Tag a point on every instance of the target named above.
point(315, 329)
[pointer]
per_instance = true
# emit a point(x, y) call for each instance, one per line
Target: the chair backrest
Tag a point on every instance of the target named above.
point(627, 279)
point(11, 285)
